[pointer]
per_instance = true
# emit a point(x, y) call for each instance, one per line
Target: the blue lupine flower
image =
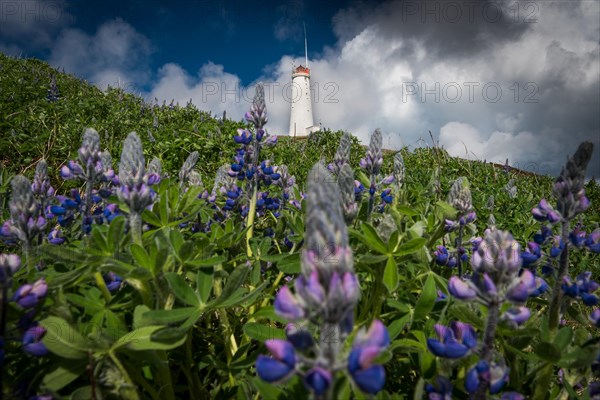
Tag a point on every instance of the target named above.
point(592, 241)
point(544, 212)
point(577, 237)
point(557, 247)
point(318, 380)
point(455, 341)
point(544, 233)
point(287, 305)
point(516, 315)
point(28, 296)
point(512, 396)
point(531, 254)
point(442, 257)
point(461, 289)
point(300, 338)
point(441, 390)
point(281, 366)
point(583, 288)
point(494, 377)
point(32, 341)
point(113, 281)
point(55, 236)
point(366, 347)
point(522, 288)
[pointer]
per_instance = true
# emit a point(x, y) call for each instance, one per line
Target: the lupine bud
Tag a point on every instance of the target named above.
point(342, 155)
point(369, 377)
point(298, 337)
point(568, 187)
point(454, 342)
point(460, 289)
point(460, 195)
point(498, 255)
point(346, 186)
point(28, 296)
point(188, 166)
point(132, 165)
point(258, 113)
point(287, 306)
point(398, 173)
point(374, 158)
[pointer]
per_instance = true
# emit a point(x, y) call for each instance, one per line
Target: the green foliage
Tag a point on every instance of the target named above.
point(194, 310)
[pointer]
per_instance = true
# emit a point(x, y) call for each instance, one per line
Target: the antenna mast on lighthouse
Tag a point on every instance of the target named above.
point(305, 46)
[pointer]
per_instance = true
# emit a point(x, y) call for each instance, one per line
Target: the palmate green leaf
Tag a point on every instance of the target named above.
point(166, 317)
point(204, 283)
point(547, 351)
point(63, 373)
point(142, 339)
point(410, 247)
point(234, 282)
point(426, 299)
point(141, 256)
point(181, 289)
point(563, 338)
point(63, 339)
point(116, 234)
point(390, 275)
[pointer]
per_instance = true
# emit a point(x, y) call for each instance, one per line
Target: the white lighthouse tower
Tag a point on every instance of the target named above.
point(301, 116)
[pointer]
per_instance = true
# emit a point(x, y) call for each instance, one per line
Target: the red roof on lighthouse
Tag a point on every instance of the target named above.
point(300, 69)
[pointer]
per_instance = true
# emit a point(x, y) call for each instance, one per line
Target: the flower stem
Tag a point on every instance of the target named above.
point(135, 225)
point(250, 223)
point(487, 350)
point(563, 269)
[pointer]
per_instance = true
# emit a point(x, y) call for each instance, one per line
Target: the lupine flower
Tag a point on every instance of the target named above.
point(367, 345)
point(454, 342)
point(41, 184)
point(9, 265)
point(460, 196)
point(531, 254)
point(26, 215)
point(593, 241)
point(28, 296)
point(441, 390)
point(577, 237)
point(545, 233)
point(258, 113)
point(594, 390)
point(512, 396)
point(113, 281)
point(32, 341)
point(516, 315)
point(326, 294)
point(545, 212)
point(55, 236)
point(583, 288)
point(134, 192)
point(461, 290)
point(568, 188)
point(374, 158)
point(281, 365)
point(347, 198)
point(342, 154)
point(442, 257)
point(398, 170)
point(318, 380)
point(53, 92)
point(187, 167)
point(494, 377)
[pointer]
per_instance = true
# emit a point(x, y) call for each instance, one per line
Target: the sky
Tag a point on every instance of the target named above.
point(491, 79)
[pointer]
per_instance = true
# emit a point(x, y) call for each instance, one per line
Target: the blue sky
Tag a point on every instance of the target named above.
point(491, 80)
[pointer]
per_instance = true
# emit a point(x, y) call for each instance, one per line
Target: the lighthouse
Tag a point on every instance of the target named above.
point(301, 116)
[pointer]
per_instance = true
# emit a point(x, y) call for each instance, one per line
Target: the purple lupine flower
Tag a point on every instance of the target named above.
point(28, 296)
point(113, 281)
point(55, 236)
point(568, 187)
point(516, 315)
point(342, 154)
point(300, 338)
point(32, 341)
point(454, 341)
point(577, 237)
point(287, 305)
point(544, 212)
point(367, 346)
point(531, 254)
point(592, 241)
point(442, 257)
point(461, 289)
point(318, 380)
point(281, 365)
point(583, 288)
point(441, 390)
point(494, 377)
point(522, 288)
point(545, 232)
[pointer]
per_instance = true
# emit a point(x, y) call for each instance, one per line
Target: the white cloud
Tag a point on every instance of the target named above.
point(115, 54)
